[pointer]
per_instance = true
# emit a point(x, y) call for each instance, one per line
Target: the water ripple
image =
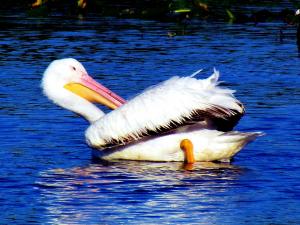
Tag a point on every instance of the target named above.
point(47, 175)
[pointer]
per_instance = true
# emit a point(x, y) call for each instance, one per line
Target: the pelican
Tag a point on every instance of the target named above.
point(181, 119)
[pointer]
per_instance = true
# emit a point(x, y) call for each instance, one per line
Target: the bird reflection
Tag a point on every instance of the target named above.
point(79, 195)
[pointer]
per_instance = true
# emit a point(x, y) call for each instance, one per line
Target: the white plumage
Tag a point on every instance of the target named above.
point(172, 100)
point(151, 125)
point(209, 145)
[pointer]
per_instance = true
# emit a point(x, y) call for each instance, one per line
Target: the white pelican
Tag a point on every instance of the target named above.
point(181, 119)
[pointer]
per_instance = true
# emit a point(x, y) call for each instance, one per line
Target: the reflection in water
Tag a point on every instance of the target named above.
point(134, 188)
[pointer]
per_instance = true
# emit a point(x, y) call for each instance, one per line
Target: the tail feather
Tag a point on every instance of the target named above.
point(235, 136)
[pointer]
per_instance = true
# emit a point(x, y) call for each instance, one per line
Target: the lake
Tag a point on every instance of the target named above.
point(47, 173)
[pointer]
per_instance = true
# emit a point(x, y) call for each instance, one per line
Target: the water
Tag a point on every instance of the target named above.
point(47, 174)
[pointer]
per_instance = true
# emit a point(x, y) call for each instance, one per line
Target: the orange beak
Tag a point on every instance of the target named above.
point(93, 91)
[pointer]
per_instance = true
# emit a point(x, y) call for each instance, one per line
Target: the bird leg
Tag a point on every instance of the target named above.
point(187, 146)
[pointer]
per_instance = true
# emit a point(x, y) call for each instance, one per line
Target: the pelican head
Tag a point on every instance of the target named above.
point(67, 84)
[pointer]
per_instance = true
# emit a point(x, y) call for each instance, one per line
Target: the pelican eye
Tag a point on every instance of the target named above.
point(74, 68)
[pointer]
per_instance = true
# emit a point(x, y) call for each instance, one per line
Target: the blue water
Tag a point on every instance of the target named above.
point(47, 174)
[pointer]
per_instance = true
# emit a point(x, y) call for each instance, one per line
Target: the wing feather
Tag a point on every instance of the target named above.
point(177, 102)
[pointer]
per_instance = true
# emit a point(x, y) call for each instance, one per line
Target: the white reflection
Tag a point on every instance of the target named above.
point(134, 192)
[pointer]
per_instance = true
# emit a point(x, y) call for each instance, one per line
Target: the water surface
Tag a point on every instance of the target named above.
point(47, 174)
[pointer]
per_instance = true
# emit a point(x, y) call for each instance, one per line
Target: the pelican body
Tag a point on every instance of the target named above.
point(181, 119)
